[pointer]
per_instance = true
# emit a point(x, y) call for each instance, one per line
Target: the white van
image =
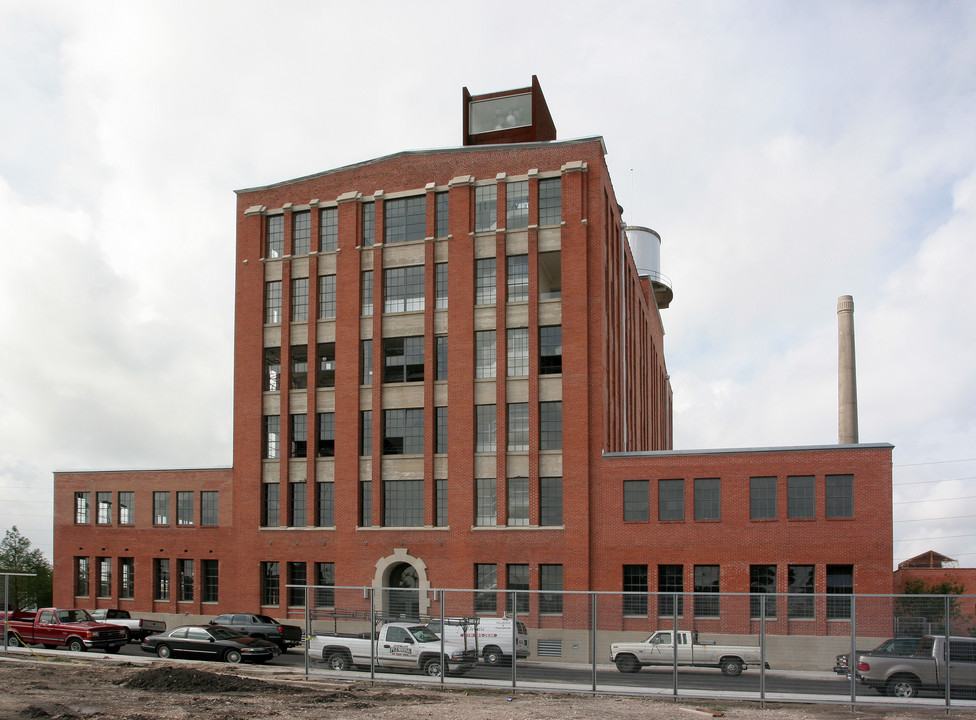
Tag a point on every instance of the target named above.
point(494, 636)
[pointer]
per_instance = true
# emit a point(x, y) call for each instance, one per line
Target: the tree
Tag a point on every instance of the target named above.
point(928, 602)
point(17, 556)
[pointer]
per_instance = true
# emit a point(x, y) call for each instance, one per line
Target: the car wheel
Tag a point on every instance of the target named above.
point(493, 655)
point(731, 667)
point(76, 645)
point(338, 661)
point(432, 668)
point(163, 651)
point(627, 664)
point(232, 656)
point(13, 640)
point(903, 686)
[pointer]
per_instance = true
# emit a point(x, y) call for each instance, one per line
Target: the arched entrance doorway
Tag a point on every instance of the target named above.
point(407, 588)
point(402, 595)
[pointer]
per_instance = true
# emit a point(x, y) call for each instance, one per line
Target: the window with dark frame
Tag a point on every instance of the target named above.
point(486, 582)
point(403, 359)
point(486, 505)
point(365, 503)
point(299, 435)
point(325, 502)
point(670, 500)
point(297, 576)
point(839, 496)
point(550, 275)
point(81, 576)
point(368, 237)
point(82, 508)
point(326, 446)
point(485, 208)
point(210, 569)
point(272, 302)
point(184, 507)
point(366, 293)
point(762, 498)
point(161, 578)
point(127, 571)
point(275, 241)
point(517, 578)
point(517, 278)
point(440, 429)
point(270, 507)
point(403, 503)
point(518, 501)
point(550, 201)
point(127, 505)
point(518, 427)
point(103, 566)
point(800, 497)
point(209, 507)
point(551, 585)
point(518, 352)
point(301, 232)
point(840, 587)
point(707, 591)
point(762, 581)
point(403, 289)
point(441, 214)
point(550, 349)
point(365, 432)
point(440, 502)
point(485, 281)
point(440, 349)
point(635, 590)
point(103, 508)
point(299, 367)
point(800, 583)
point(298, 505)
point(440, 285)
point(708, 499)
point(184, 580)
point(486, 355)
point(325, 377)
point(161, 507)
point(325, 579)
point(272, 436)
point(551, 425)
point(637, 501)
point(366, 361)
point(405, 219)
point(484, 428)
point(403, 431)
point(550, 501)
point(670, 582)
point(272, 369)
point(517, 205)
point(327, 297)
point(329, 229)
point(270, 583)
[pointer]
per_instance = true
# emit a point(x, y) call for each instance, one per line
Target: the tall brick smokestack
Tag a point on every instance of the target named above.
point(846, 378)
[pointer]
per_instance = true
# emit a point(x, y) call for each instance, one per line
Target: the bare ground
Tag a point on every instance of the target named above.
point(80, 689)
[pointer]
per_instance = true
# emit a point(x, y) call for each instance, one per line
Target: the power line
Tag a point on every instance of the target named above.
point(948, 499)
point(951, 517)
point(935, 462)
point(929, 482)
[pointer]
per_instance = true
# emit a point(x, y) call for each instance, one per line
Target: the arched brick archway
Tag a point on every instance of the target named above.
point(392, 567)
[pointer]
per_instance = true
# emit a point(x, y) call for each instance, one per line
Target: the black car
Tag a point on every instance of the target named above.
point(263, 627)
point(209, 642)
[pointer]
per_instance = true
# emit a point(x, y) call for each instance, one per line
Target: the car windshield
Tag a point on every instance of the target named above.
point(423, 634)
point(72, 616)
point(223, 633)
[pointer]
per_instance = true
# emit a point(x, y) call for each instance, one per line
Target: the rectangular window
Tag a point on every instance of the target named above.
point(299, 367)
point(440, 285)
point(366, 293)
point(272, 369)
point(440, 429)
point(161, 578)
point(269, 583)
point(327, 297)
point(485, 208)
point(485, 351)
point(127, 505)
point(272, 302)
point(518, 352)
point(161, 507)
point(276, 236)
point(297, 511)
point(103, 505)
point(325, 502)
point(484, 428)
point(800, 583)
point(485, 502)
point(485, 284)
point(366, 432)
point(326, 446)
point(800, 497)
point(296, 576)
point(440, 349)
point(366, 503)
point(81, 576)
point(301, 233)
point(517, 579)
point(127, 577)
point(403, 503)
point(270, 508)
point(762, 498)
point(486, 581)
point(403, 431)
point(211, 580)
point(670, 500)
point(184, 572)
point(329, 229)
point(708, 499)
point(637, 501)
point(369, 224)
point(82, 508)
point(550, 501)
point(299, 436)
point(518, 278)
point(440, 502)
point(326, 364)
point(551, 585)
point(635, 590)
point(839, 496)
point(209, 509)
point(325, 580)
point(405, 219)
point(403, 359)
point(706, 591)
point(104, 568)
point(550, 201)
point(518, 501)
point(762, 581)
point(184, 507)
point(272, 436)
point(550, 278)
point(403, 289)
point(840, 587)
point(518, 427)
point(442, 214)
point(517, 205)
point(366, 361)
point(299, 300)
point(670, 579)
point(551, 425)
point(550, 349)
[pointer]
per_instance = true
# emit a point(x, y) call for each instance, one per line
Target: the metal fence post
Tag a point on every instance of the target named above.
point(852, 658)
point(947, 653)
point(593, 640)
point(674, 645)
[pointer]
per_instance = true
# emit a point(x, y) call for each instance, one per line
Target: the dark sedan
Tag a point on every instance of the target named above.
point(209, 642)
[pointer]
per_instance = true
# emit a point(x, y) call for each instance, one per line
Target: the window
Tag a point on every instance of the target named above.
point(82, 508)
point(484, 281)
point(272, 369)
point(325, 578)
point(269, 583)
point(840, 582)
point(211, 580)
point(403, 289)
point(485, 208)
point(366, 432)
point(440, 349)
point(405, 219)
point(442, 214)
point(161, 507)
point(762, 581)
point(670, 500)
point(276, 236)
point(296, 576)
point(298, 517)
point(518, 501)
point(184, 580)
point(550, 201)
point(329, 229)
point(637, 501)
point(325, 377)
point(762, 498)
point(518, 427)
point(551, 501)
point(369, 228)
point(484, 428)
point(161, 578)
point(800, 497)
point(440, 429)
point(127, 504)
point(635, 590)
point(184, 507)
point(551, 584)
point(325, 502)
point(81, 576)
point(403, 359)
point(706, 591)
point(440, 285)
point(104, 569)
point(272, 302)
point(518, 278)
point(127, 573)
point(299, 367)
point(366, 293)
point(403, 504)
point(839, 496)
point(326, 446)
point(486, 581)
point(708, 499)
point(550, 280)
point(209, 510)
point(670, 579)
point(518, 352)
point(103, 505)
point(485, 502)
point(301, 233)
point(366, 503)
point(518, 579)
point(440, 502)
point(269, 505)
point(366, 361)
point(551, 425)
point(485, 352)
point(403, 431)
point(800, 583)
point(299, 436)
point(517, 205)
point(327, 297)
point(272, 436)
point(550, 349)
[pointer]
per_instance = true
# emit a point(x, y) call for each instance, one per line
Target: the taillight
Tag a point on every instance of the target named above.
point(281, 630)
point(863, 666)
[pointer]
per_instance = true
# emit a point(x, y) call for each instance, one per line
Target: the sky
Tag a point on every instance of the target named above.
point(788, 153)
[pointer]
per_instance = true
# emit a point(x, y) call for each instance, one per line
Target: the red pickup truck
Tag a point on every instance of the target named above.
point(51, 628)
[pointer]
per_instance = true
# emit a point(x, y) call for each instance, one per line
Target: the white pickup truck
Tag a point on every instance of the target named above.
point(658, 649)
point(405, 646)
point(137, 629)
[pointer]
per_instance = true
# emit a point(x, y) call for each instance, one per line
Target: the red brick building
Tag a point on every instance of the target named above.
point(449, 373)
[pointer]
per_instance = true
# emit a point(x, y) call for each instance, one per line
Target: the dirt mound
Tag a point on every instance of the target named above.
point(188, 680)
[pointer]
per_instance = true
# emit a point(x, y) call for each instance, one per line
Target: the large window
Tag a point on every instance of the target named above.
point(297, 575)
point(184, 507)
point(518, 501)
point(325, 377)
point(127, 578)
point(301, 233)
point(517, 579)
point(403, 289)
point(840, 587)
point(485, 208)
point(551, 584)
point(184, 580)
point(210, 570)
point(637, 501)
point(518, 278)
point(706, 591)
point(484, 428)
point(275, 243)
point(298, 505)
point(670, 500)
point(403, 431)
point(518, 427)
point(161, 579)
point(442, 214)
point(325, 503)
point(485, 281)
point(550, 349)
point(209, 509)
point(272, 436)
point(272, 369)
point(82, 508)
point(800, 497)
point(485, 354)
point(272, 302)
point(550, 277)
point(486, 581)
point(670, 579)
point(369, 224)
point(299, 367)
point(518, 352)
point(161, 507)
point(762, 581)
point(269, 583)
point(550, 201)
point(405, 219)
point(486, 514)
point(103, 506)
point(551, 501)
point(299, 299)
point(800, 584)
point(517, 205)
point(326, 447)
point(551, 425)
point(635, 590)
point(270, 505)
point(366, 293)
point(762, 498)
point(325, 579)
point(403, 504)
point(403, 359)
point(299, 435)
point(327, 297)
point(708, 499)
point(329, 229)
point(839, 496)
point(127, 508)
point(81, 576)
